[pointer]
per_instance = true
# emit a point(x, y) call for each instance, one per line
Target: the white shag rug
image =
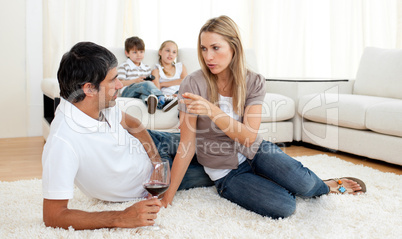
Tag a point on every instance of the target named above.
point(201, 213)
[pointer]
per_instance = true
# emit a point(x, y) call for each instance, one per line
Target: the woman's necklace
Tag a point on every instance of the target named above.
point(169, 72)
point(224, 88)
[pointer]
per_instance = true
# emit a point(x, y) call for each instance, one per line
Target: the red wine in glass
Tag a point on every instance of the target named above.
point(158, 181)
point(156, 188)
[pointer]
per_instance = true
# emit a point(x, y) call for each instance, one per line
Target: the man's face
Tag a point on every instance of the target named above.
point(108, 90)
point(135, 55)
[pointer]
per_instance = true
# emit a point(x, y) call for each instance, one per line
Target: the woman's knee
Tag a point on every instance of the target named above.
point(286, 210)
point(282, 208)
point(278, 207)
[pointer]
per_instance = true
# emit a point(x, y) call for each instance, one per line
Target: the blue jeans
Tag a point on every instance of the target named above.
point(142, 90)
point(269, 182)
point(167, 144)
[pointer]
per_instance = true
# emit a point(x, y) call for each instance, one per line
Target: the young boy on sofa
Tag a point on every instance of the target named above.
point(137, 79)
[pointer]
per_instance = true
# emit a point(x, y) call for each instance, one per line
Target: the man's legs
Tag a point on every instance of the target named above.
point(167, 144)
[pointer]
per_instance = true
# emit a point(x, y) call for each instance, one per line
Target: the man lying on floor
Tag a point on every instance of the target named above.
point(107, 154)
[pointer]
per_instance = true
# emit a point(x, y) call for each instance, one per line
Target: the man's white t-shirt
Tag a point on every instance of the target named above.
point(104, 162)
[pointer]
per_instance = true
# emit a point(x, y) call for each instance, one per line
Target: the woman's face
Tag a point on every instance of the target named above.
point(216, 53)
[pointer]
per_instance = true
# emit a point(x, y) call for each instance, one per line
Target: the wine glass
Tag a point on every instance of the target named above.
point(159, 181)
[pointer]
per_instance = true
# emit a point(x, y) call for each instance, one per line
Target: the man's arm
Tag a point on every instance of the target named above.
point(143, 213)
point(138, 130)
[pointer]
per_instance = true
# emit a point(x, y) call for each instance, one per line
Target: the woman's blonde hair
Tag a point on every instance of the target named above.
point(227, 28)
point(160, 49)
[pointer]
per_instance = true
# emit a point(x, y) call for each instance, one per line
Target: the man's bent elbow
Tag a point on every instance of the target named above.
point(50, 221)
point(52, 210)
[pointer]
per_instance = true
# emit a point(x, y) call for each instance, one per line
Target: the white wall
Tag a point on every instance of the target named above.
point(34, 66)
point(13, 107)
point(21, 67)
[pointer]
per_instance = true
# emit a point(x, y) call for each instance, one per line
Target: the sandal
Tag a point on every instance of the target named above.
point(341, 189)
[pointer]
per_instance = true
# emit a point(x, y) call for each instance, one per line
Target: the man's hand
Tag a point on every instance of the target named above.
point(143, 213)
point(140, 214)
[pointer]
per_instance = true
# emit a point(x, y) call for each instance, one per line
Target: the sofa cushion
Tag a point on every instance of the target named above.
point(277, 107)
point(344, 110)
point(150, 58)
point(158, 121)
point(385, 118)
point(188, 56)
point(380, 73)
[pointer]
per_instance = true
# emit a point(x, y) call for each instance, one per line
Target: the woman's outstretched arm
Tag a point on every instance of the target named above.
point(184, 155)
point(244, 132)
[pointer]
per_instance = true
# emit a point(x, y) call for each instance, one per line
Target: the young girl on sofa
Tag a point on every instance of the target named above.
point(168, 74)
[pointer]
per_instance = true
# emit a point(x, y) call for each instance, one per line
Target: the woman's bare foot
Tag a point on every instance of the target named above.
point(346, 185)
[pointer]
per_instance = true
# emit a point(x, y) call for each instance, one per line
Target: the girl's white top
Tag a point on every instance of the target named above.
point(163, 78)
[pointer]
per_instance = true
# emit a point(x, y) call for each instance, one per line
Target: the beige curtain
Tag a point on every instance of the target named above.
point(291, 38)
point(66, 22)
point(399, 24)
point(321, 38)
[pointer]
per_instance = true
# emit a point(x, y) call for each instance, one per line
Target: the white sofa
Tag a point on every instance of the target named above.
point(361, 116)
point(365, 118)
point(278, 110)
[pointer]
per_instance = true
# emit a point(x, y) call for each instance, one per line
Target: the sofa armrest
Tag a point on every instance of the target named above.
point(163, 121)
point(50, 88)
point(295, 89)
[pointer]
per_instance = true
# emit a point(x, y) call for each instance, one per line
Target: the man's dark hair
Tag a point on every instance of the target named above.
point(86, 62)
point(132, 42)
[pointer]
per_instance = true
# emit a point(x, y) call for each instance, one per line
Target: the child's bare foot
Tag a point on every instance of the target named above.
point(347, 185)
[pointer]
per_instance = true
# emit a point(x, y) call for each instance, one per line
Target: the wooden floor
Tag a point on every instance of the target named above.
point(20, 158)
